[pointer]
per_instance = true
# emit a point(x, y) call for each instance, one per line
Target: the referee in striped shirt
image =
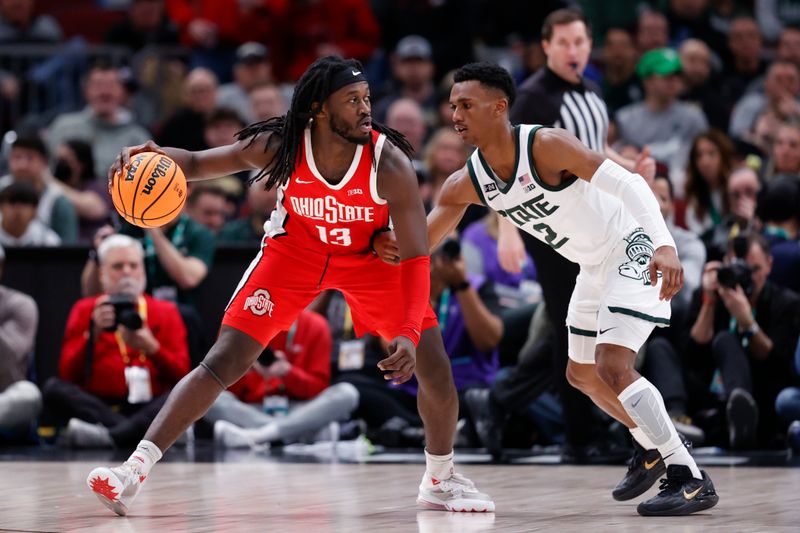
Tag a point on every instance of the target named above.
point(557, 95)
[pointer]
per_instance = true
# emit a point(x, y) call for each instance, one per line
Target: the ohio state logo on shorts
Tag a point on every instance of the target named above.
point(259, 303)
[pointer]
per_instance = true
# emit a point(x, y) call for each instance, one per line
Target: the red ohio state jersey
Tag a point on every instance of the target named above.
point(326, 218)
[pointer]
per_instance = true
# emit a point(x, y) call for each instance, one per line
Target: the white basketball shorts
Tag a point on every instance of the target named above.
point(614, 303)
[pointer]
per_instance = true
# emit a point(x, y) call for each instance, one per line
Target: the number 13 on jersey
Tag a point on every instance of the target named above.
point(337, 236)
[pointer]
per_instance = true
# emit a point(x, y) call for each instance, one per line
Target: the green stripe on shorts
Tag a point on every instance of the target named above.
point(584, 332)
point(637, 314)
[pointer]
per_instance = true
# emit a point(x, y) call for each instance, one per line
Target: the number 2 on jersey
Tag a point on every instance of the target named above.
point(337, 236)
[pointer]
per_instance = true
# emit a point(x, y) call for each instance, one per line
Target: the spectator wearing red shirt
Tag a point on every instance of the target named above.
point(111, 372)
point(300, 371)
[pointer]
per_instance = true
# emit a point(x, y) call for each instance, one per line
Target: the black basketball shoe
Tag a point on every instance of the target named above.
point(681, 494)
point(645, 468)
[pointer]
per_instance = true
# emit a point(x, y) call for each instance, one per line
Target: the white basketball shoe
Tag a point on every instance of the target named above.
point(456, 493)
point(116, 487)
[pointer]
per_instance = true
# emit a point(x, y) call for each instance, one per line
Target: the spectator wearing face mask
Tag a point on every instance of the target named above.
point(74, 172)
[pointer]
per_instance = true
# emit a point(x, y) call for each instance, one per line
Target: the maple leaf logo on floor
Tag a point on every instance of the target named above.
point(102, 487)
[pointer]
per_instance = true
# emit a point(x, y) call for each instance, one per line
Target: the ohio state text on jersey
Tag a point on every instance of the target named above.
point(330, 218)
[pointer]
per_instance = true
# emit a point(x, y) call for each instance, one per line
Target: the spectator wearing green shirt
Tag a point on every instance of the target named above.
point(27, 163)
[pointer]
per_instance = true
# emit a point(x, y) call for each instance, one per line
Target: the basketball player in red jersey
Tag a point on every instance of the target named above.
point(340, 177)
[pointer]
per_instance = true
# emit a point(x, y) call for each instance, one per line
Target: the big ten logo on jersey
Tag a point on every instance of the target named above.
point(355, 191)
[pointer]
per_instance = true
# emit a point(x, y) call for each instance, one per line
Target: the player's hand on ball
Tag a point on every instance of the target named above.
point(385, 246)
point(401, 362)
point(124, 158)
point(665, 260)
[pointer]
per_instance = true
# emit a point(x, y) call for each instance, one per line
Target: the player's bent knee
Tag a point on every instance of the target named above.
point(231, 356)
point(613, 365)
point(582, 377)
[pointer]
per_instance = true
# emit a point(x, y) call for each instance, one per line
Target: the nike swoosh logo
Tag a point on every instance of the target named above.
point(649, 466)
point(355, 72)
point(607, 329)
point(490, 198)
point(639, 399)
point(303, 182)
point(691, 495)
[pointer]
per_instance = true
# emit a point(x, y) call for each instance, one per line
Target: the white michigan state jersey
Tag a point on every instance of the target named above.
point(581, 222)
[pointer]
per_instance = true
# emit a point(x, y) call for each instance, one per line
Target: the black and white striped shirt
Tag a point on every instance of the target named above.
point(545, 98)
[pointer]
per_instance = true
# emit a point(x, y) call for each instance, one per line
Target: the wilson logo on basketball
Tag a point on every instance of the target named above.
point(259, 303)
point(164, 163)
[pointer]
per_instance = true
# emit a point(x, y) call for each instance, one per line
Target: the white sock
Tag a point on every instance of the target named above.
point(145, 456)
point(439, 466)
point(642, 439)
point(644, 404)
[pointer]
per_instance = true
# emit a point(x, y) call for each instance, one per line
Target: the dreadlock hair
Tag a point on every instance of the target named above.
point(312, 88)
point(489, 75)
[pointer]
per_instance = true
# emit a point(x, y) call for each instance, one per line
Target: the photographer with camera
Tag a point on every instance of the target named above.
point(122, 353)
point(746, 327)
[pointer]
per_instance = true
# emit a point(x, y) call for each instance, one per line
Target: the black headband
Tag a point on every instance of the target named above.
point(346, 76)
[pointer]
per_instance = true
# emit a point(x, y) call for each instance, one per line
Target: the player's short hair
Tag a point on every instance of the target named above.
point(560, 17)
point(113, 242)
point(490, 75)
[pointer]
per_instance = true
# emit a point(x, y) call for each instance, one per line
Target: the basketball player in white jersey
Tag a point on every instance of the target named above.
point(606, 219)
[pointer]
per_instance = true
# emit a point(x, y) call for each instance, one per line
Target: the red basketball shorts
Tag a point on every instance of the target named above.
point(284, 278)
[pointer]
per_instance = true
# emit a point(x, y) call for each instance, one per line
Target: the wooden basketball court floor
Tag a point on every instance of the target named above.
point(258, 495)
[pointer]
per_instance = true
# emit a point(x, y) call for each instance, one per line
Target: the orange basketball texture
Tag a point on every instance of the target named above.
point(151, 191)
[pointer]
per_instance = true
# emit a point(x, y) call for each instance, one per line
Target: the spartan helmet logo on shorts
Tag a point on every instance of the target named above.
point(259, 303)
point(640, 251)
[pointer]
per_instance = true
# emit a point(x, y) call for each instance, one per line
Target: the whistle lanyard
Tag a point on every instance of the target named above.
point(150, 255)
point(123, 349)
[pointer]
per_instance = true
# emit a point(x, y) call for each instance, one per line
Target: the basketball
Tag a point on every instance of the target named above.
point(151, 191)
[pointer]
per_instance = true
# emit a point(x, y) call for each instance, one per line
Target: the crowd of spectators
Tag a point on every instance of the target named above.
point(710, 90)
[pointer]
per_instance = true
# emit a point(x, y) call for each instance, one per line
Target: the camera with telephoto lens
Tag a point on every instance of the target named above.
point(737, 272)
point(125, 311)
point(450, 249)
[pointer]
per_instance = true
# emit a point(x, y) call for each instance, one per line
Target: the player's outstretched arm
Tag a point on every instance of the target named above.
point(454, 198)
point(561, 153)
point(206, 164)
